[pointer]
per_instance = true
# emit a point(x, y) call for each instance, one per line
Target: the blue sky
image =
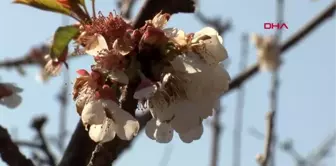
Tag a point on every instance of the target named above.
point(306, 99)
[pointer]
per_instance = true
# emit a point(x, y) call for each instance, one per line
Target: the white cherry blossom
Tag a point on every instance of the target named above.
point(208, 44)
point(159, 131)
point(107, 119)
point(160, 20)
point(267, 52)
point(50, 69)
point(192, 135)
point(203, 75)
point(145, 90)
point(96, 45)
point(177, 36)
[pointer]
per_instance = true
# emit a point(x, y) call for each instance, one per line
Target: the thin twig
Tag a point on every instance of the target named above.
point(151, 7)
point(9, 152)
point(38, 124)
point(221, 26)
point(63, 100)
point(275, 82)
point(93, 4)
point(238, 120)
point(126, 7)
point(166, 155)
point(216, 127)
point(28, 144)
point(264, 158)
point(35, 56)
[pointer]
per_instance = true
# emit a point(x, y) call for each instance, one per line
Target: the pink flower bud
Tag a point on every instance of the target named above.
point(82, 72)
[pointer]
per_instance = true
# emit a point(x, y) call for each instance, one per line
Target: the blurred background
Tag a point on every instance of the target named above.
point(306, 106)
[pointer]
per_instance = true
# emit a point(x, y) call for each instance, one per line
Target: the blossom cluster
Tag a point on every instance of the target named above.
point(180, 78)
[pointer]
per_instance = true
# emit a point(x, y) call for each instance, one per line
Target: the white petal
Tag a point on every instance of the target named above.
point(121, 47)
point(150, 128)
point(96, 44)
point(42, 77)
point(11, 101)
point(145, 93)
point(103, 132)
point(221, 79)
point(126, 126)
point(256, 39)
point(212, 50)
point(164, 133)
point(176, 35)
point(186, 117)
point(159, 20)
point(180, 64)
point(158, 106)
point(118, 76)
point(192, 135)
point(206, 107)
point(209, 32)
point(93, 113)
point(52, 70)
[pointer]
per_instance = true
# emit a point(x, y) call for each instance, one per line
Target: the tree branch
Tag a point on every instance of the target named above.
point(125, 7)
point(9, 152)
point(220, 25)
point(217, 128)
point(152, 7)
point(37, 125)
point(264, 158)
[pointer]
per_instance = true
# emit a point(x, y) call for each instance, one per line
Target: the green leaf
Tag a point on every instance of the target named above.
point(48, 5)
point(62, 38)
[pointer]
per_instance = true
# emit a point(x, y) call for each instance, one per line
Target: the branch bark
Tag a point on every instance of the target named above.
point(152, 7)
point(10, 153)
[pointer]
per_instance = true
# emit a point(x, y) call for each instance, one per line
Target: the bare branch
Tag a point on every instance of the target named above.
point(63, 100)
point(220, 25)
point(264, 158)
point(216, 127)
point(126, 7)
point(275, 83)
point(166, 155)
point(28, 144)
point(76, 153)
point(9, 152)
point(152, 7)
point(38, 124)
point(238, 119)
